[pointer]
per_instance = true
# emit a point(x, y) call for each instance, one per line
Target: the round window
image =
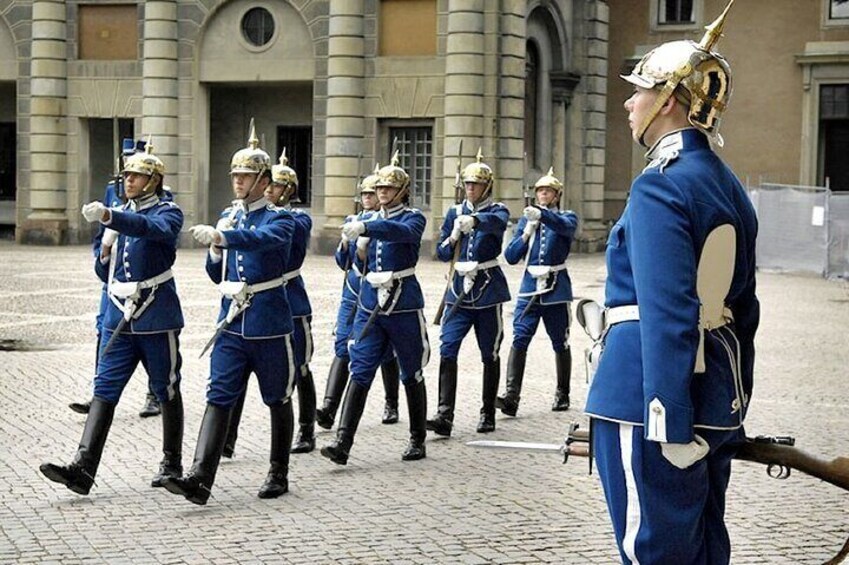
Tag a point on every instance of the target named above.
point(257, 26)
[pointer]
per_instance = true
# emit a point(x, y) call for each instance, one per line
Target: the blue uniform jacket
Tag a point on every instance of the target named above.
point(146, 247)
point(396, 237)
point(482, 244)
point(346, 259)
point(257, 249)
point(652, 256)
point(551, 245)
point(296, 291)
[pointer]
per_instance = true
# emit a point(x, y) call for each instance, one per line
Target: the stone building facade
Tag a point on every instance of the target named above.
point(333, 81)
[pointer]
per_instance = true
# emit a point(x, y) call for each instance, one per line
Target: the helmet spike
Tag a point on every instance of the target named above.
point(376, 168)
point(714, 30)
point(479, 156)
point(283, 159)
point(148, 147)
point(550, 172)
point(396, 159)
point(253, 140)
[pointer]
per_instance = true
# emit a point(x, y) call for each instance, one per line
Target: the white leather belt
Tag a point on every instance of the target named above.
point(240, 294)
point(130, 292)
point(619, 314)
point(384, 279)
point(291, 275)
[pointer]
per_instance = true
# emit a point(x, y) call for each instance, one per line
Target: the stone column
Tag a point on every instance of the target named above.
point(47, 222)
point(593, 231)
point(345, 110)
point(464, 95)
point(160, 84)
point(511, 105)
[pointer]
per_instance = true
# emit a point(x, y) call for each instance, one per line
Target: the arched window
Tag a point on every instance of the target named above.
point(532, 71)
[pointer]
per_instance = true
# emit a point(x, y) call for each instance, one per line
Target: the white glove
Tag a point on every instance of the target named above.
point(205, 235)
point(223, 224)
point(465, 222)
point(530, 228)
point(362, 243)
point(345, 239)
point(683, 455)
point(109, 238)
point(93, 211)
point(352, 230)
point(532, 213)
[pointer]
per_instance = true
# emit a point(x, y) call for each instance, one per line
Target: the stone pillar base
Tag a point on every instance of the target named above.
point(42, 231)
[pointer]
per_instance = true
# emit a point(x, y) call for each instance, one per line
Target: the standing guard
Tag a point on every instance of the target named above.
point(476, 295)
point(674, 378)
point(142, 321)
point(543, 239)
point(247, 258)
point(389, 314)
point(350, 261)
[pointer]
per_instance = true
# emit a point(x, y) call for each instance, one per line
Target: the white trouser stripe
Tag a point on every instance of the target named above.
point(500, 335)
point(308, 345)
point(290, 353)
point(172, 372)
point(425, 346)
point(632, 497)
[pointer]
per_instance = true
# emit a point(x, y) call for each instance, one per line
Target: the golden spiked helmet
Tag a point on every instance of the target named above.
point(478, 172)
point(393, 175)
point(368, 183)
point(282, 173)
point(251, 159)
point(550, 181)
point(703, 74)
point(145, 162)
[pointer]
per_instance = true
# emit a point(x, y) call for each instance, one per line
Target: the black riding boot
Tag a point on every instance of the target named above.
point(390, 373)
point(417, 409)
point(352, 411)
point(491, 376)
point(509, 403)
point(151, 406)
point(196, 485)
point(84, 407)
point(337, 378)
point(282, 428)
point(235, 419)
point(442, 423)
point(563, 363)
point(172, 441)
point(79, 475)
point(306, 414)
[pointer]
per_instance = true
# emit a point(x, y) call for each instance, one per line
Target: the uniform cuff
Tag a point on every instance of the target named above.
point(667, 421)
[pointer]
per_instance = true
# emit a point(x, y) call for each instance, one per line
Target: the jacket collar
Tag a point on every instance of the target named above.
point(672, 143)
point(483, 204)
point(392, 212)
point(143, 203)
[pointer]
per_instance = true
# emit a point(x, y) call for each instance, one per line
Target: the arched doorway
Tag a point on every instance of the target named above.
point(267, 74)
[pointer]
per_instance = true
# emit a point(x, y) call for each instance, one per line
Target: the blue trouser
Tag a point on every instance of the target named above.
point(405, 333)
point(272, 360)
point(344, 326)
point(159, 354)
point(662, 514)
point(556, 317)
point(489, 331)
point(302, 344)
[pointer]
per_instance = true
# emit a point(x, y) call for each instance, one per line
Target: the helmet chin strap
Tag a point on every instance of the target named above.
point(146, 188)
point(251, 189)
point(397, 199)
point(666, 92)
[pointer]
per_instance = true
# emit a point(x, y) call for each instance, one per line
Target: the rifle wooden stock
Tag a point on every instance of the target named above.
point(835, 472)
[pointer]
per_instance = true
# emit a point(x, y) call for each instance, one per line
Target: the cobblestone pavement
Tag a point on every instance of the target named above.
point(460, 505)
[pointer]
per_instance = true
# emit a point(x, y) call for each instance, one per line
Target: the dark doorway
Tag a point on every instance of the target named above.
point(836, 166)
point(8, 162)
point(104, 150)
point(298, 144)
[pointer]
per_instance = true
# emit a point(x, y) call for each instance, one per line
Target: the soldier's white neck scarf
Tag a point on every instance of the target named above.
point(144, 202)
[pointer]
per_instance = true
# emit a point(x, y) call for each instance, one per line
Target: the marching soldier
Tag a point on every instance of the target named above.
point(113, 197)
point(142, 321)
point(247, 258)
point(543, 238)
point(478, 290)
point(675, 375)
point(389, 315)
point(349, 261)
point(281, 192)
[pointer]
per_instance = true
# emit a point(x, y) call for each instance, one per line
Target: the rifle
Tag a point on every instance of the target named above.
point(458, 198)
point(778, 453)
point(529, 200)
